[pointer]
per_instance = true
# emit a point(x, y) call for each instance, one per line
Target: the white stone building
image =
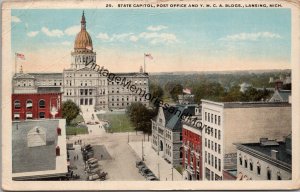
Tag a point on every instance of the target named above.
point(266, 160)
point(238, 122)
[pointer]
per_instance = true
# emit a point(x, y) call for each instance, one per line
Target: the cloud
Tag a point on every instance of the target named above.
point(153, 38)
point(103, 36)
point(156, 28)
point(115, 37)
point(66, 43)
point(15, 19)
point(133, 38)
point(32, 33)
point(52, 33)
point(159, 38)
point(73, 30)
point(251, 36)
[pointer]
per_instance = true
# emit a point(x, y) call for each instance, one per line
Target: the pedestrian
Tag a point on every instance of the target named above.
point(74, 158)
point(77, 157)
point(101, 156)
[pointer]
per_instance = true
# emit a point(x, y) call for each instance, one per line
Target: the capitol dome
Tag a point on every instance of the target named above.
point(83, 41)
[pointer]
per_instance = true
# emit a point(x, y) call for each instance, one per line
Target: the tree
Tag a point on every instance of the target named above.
point(156, 91)
point(140, 116)
point(70, 111)
point(174, 89)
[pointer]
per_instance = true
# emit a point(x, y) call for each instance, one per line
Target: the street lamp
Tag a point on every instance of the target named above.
point(142, 150)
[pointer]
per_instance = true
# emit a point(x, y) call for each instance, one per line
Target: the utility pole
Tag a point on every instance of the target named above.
point(158, 171)
point(142, 150)
point(172, 173)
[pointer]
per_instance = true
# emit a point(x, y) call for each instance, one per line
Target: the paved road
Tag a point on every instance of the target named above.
point(154, 162)
point(121, 162)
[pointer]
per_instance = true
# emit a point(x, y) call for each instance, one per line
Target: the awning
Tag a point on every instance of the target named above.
point(28, 114)
point(17, 115)
point(28, 105)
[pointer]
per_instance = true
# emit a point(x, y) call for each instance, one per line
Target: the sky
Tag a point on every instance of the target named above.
point(177, 39)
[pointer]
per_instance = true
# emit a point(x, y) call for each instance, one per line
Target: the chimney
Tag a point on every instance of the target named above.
point(274, 154)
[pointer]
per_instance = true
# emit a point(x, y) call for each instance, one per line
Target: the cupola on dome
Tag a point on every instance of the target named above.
point(83, 41)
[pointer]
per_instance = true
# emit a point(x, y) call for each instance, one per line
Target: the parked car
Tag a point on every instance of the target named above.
point(144, 170)
point(149, 174)
point(152, 178)
point(140, 167)
point(93, 177)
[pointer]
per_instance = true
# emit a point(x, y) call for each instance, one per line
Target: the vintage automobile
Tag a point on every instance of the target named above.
point(151, 178)
point(93, 177)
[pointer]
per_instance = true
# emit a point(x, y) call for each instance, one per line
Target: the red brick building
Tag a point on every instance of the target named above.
point(192, 150)
point(36, 106)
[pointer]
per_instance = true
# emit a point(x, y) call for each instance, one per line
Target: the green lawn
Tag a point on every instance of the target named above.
point(118, 122)
point(72, 130)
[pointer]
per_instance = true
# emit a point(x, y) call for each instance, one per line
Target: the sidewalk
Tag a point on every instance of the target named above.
point(97, 129)
point(154, 162)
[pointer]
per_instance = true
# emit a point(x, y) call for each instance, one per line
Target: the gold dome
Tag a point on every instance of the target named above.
point(83, 39)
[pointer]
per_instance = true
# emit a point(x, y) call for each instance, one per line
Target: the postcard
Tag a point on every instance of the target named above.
point(150, 95)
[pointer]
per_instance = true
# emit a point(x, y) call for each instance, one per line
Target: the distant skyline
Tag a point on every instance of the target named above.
point(178, 39)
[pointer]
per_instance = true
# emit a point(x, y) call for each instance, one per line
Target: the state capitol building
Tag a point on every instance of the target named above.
point(80, 83)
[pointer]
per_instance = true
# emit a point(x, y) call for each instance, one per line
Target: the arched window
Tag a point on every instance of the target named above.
point(241, 159)
point(17, 104)
point(245, 162)
point(258, 168)
point(269, 173)
point(42, 103)
point(278, 176)
point(29, 104)
point(251, 165)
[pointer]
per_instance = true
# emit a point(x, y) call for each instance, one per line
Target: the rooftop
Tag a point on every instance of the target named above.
point(255, 104)
point(264, 149)
point(30, 159)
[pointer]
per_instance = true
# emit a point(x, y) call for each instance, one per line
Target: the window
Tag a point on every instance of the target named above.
point(81, 101)
point(29, 104)
point(251, 165)
point(205, 157)
point(278, 176)
point(212, 160)
point(212, 132)
point(208, 117)
point(241, 160)
point(215, 119)
point(258, 168)
point(215, 133)
point(219, 120)
point(212, 176)
point(212, 145)
point(219, 164)
point(28, 115)
point(216, 163)
point(17, 104)
point(208, 158)
point(42, 115)
point(212, 118)
point(207, 173)
point(42, 103)
point(205, 116)
point(219, 134)
point(16, 116)
point(215, 147)
point(208, 143)
point(246, 163)
point(269, 173)
point(219, 148)
point(91, 101)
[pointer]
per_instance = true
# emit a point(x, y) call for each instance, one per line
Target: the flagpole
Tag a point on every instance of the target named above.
point(15, 63)
point(144, 64)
